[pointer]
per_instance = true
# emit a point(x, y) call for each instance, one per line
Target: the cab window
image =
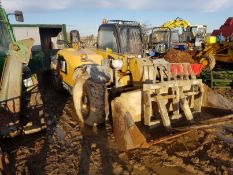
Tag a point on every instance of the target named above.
point(62, 64)
point(131, 41)
point(107, 39)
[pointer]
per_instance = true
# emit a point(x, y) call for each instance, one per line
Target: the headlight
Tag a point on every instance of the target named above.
point(84, 57)
point(117, 64)
point(28, 82)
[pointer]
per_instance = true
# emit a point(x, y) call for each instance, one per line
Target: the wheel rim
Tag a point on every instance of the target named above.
point(85, 106)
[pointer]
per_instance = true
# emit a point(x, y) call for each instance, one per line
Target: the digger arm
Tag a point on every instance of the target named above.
point(211, 49)
point(178, 22)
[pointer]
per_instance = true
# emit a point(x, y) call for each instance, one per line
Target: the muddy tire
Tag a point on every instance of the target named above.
point(56, 81)
point(5, 164)
point(208, 62)
point(90, 101)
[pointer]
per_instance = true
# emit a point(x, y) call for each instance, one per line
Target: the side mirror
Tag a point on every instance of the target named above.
point(74, 36)
point(19, 16)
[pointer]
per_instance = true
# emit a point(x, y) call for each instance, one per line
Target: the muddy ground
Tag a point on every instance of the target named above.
point(67, 148)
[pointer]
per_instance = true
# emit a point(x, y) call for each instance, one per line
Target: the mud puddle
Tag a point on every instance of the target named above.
point(163, 170)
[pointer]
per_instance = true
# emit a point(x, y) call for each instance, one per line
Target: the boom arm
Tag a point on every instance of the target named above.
point(178, 22)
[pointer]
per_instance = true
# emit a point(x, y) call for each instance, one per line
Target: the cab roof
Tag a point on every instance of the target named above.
point(120, 23)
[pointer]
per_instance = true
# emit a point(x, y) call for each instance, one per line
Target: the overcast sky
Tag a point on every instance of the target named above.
point(86, 15)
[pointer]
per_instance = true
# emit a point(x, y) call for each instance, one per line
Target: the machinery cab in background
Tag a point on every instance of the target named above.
point(161, 39)
point(177, 34)
point(196, 35)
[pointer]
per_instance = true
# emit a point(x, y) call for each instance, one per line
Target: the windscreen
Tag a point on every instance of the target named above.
point(160, 36)
point(107, 39)
point(131, 40)
point(175, 36)
point(198, 31)
point(201, 32)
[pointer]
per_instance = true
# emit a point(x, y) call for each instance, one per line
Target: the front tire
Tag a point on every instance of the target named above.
point(208, 62)
point(90, 101)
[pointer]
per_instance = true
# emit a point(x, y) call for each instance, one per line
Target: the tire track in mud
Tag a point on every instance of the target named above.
point(199, 152)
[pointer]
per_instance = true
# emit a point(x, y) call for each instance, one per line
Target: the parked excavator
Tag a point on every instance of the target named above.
point(117, 80)
point(194, 35)
point(191, 39)
point(21, 106)
point(217, 54)
point(221, 74)
point(222, 52)
point(213, 52)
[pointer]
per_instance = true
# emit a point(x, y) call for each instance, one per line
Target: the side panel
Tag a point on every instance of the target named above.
point(70, 59)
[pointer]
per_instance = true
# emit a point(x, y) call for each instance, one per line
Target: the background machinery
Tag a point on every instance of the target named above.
point(193, 36)
point(217, 56)
point(116, 79)
point(221, 74)
point(226, 30)
point(191, 40)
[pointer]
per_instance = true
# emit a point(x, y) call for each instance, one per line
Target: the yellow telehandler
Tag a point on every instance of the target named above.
point(117, 80)
point(218, 57)
point(222, 52)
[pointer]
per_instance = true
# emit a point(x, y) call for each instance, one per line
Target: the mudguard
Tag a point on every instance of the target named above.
point(97, 73)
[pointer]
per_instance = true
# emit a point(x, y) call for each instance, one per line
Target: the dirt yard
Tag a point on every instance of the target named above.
point(67, 148)
point(176, 56)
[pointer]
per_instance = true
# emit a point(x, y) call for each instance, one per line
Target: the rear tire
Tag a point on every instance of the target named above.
point(90, 101)
point(56, 81)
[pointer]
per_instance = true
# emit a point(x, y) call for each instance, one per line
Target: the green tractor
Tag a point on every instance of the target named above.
point(20, 101)
point(21, 106)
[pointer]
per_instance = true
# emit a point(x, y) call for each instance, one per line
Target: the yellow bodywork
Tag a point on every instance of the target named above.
point(210, 39)
point(131, 64)
point(132, 70)
point(73, 58)
point(222, 52)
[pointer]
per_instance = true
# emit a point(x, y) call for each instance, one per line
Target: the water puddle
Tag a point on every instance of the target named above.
point(60, 133)
point(164, 170)
point(226, 133)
